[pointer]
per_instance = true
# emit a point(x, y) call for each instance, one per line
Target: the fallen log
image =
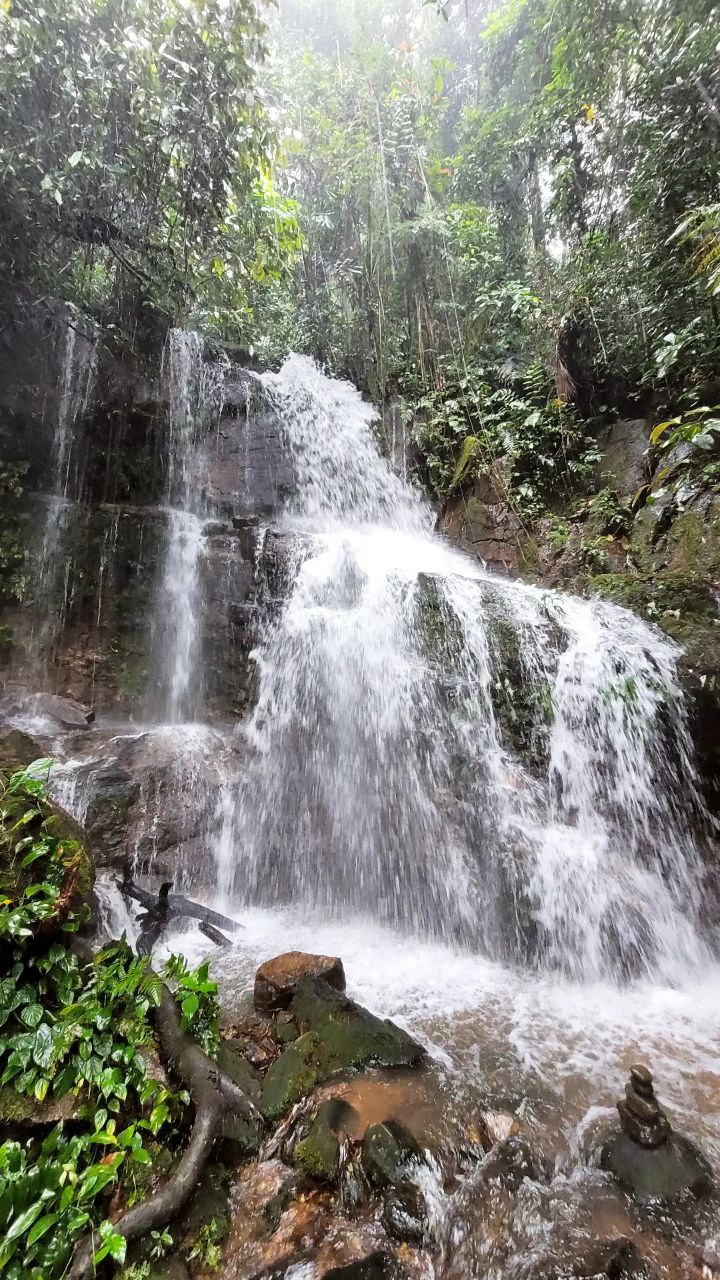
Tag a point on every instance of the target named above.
point(177, 905)
point(214, 1095)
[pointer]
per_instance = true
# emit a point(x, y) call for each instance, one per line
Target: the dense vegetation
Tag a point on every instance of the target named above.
point(76, 1038)
point(512, 217)
point(509, 216)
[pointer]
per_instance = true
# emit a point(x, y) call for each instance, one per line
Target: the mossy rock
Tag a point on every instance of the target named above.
point(388, 1152)
point(678, 602)
point(337, 1035)
point(318, 1153)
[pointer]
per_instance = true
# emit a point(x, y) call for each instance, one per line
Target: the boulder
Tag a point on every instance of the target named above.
point(388, 1153)
point(276, 980)
point(65, 711)
point(18, 750)
point(667, 1172)
point(337, 1034)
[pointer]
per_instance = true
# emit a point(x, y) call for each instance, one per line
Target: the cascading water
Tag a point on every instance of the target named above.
point(77, 374)
point(194, 388)
point(387, 780)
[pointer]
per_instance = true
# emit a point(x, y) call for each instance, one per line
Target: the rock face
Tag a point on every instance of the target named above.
point(276, 981)
point(648, 1159)
point(481, 521)
point(337, 1034)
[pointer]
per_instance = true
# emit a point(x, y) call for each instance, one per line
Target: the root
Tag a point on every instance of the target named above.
point(214, 1095)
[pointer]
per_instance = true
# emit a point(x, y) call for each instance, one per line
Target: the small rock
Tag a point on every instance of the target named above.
point(510, 1162)
point(640, 1114)
point(405, 1216)
point(388, 1150)
point(276, 980)
point(318, 1153)
point(499, 1125)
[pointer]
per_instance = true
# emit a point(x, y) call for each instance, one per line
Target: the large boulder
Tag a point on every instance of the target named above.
point(276, 980)
point(337, 1034)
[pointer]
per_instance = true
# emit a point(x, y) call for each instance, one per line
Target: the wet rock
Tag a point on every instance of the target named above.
point(640, 1114)
point(388, 1152)
point(499, 1125)
point(648, 1159)
point(375, 1266)
point(276, 980)
point(337, 1034)
point(18, 750)
point(509, 1163)
point(318, 1153)
point(405, 1215)
point(668, 1172)
point(66, 712)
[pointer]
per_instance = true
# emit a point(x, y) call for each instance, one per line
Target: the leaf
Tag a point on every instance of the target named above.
point(32, 1015)
point(26, 1219)
point(190, 1006)
point(75, 159)
point(661, 428)
point(43, 1048)
point(41, 1226)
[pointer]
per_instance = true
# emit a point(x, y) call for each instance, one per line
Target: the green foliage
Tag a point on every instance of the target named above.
point(196, 994)
point(134, 156)
point(69, 1030)
point(12, 551)
point(206, 1248)
point(518, 429)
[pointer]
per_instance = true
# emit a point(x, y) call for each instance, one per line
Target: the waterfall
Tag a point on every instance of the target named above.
point(193, 387)
point(77, 374)
point(457, 755)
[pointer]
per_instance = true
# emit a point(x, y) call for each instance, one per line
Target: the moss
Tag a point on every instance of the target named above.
point(463, 469)
point(676, 601)
point(340, 1035)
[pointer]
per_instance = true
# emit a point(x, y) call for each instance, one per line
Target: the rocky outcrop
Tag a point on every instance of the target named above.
point(482, 522)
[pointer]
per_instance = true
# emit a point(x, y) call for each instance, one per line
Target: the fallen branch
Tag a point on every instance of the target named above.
point(213, 1094)
point(177, 905)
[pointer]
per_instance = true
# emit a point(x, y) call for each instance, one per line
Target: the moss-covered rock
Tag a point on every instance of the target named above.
point(337, 1035)
point(318, 1153)
point(388, 1152)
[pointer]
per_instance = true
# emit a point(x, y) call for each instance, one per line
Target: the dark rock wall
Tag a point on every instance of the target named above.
point(113, 531)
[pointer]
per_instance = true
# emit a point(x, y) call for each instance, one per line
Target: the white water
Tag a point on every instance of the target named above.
point(194, 389)
point(77, 375)
point(385, 783)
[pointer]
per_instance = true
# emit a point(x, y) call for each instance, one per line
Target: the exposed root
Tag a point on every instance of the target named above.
point(214, 1096)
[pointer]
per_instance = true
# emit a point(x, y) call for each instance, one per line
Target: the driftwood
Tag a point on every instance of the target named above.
point(214, 1096)
point(177, 905)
